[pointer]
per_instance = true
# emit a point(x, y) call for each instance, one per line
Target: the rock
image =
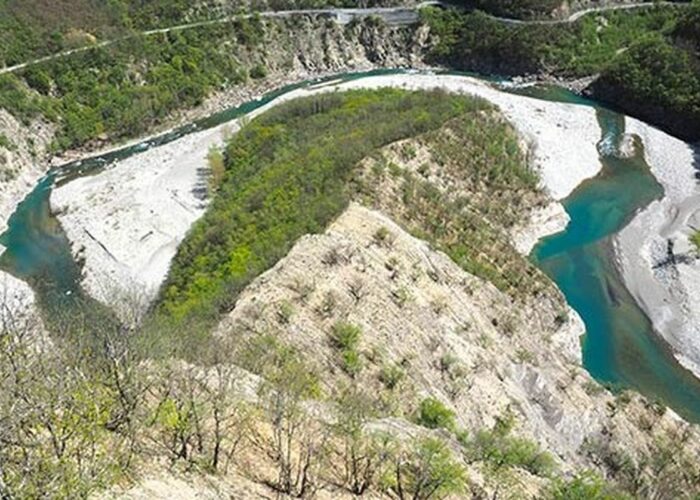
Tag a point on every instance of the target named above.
point(535, 372)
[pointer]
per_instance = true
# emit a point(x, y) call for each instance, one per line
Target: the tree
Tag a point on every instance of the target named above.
point(361, 454)
point(296, 441)
point(425, 469)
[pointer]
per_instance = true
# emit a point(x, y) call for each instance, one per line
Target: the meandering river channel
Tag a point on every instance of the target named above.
point(620, 347)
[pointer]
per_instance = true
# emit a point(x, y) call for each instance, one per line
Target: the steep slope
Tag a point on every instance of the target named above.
point(454, 337)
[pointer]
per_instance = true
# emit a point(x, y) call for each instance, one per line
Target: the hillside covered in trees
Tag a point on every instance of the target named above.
point(646, 62)
point(349, 317)
point(356, 360)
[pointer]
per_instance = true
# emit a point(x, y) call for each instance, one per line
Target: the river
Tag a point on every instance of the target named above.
point(620, 348)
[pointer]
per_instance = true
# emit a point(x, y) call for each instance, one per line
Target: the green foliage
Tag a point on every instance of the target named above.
point(433, 414)
point(391, 375)
point(100, 91)
point(346, 338)
point(658, 78)
point(483, 153)
point(477, 41)
point(499, 449)
point(5, 142)
point(647, 58)
point(282, 366)
point(519, 9)
point(287, 174)
point(345, 335)
point(258, 71)
point(15, 98)
point(217, 168)
point(695, 240)
point(584, 486)
point(426, 470)
point(352, 362)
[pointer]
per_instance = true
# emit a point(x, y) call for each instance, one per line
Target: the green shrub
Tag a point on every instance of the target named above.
point(695, 240)
point(352, 362)
point(584, 486)
point(433, 414)
point(258, 71)
point(425, 470)
point(5, 142)
point(345, 336)
point(391, 375)
point(499, 449)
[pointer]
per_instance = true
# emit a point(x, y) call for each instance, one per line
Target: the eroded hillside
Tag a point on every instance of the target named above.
point(374, 332)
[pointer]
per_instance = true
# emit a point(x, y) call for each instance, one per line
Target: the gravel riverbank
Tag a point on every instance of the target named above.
point(657, 261)
point(126, 222)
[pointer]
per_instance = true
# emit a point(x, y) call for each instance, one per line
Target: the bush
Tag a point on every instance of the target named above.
point(695, 240)
point(435, 415)
point(352, 363)
point(499, 449)
point(584, 486)
point(258, 71)
point(425, 470)
point(391, 375)
point(345, 336)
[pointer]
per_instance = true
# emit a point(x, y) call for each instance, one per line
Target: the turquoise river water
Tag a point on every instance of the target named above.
point(620, 347)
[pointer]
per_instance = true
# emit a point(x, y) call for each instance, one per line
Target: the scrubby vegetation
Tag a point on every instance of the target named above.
point(77, 421)
point(287, 175)
point(125, 89)
point(98, 93)
point(294, 169)
point(518, 9)
point(477, 41)
point(86, 410)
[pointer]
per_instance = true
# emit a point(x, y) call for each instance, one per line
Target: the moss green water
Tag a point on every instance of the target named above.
point(620, 347)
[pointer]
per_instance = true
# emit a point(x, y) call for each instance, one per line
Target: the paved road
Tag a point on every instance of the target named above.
point(395, 16)
point(578, 15)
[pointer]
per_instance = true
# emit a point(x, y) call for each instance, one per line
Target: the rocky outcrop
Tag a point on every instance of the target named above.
point(18, 311)
point(455, 337)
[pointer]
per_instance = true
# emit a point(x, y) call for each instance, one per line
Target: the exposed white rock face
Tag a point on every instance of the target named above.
point(660, 267)
point(128, 220)
point(544, 221)
point(419, 310)
point(18, 311)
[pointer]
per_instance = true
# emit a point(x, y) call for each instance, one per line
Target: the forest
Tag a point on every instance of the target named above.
point(35, 28)
point(99, 94)
point(647, 60)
